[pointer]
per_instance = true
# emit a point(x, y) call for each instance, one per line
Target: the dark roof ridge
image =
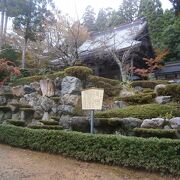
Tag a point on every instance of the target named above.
point(122, 26)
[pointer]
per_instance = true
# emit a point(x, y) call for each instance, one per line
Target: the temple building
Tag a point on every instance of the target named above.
point(97, 51)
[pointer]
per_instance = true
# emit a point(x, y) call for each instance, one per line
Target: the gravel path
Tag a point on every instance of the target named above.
point(17, 164)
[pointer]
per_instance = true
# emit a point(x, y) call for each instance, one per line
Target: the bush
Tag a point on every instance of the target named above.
point(80, 72)
point(143, 98)
point(52, 122)
point(152, 154)
point(30, 79)
point(170, 90)
point(148, 84)
point(111, 87)
point(16, 122)
point(159, 133)
point(141, 111)
point(48, 127)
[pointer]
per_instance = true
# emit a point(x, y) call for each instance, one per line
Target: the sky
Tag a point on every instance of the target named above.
point(77, 7)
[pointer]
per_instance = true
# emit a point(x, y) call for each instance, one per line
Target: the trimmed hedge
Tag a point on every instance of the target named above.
point(159, 133)
point(153, 154)
point(111, 87)
point(170, 90)
point(47, 127)
point(142, 98)
point(149, 84)
point(141, 111)
point(80, 72)
point(16, 122)
point(30, 79)
point(52, 122)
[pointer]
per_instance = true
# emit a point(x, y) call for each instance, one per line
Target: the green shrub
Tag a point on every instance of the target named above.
point(153, 154)
point(48, 127)
point(30, 79)
point(148, 84)
point(111, 87)
point(16, 122)
point(159, 133)
point(141, 111)
point(5, 108)
point(170, 90)
point(148, 90)
point(80, 72)
point(52, 122)
point(142, 98)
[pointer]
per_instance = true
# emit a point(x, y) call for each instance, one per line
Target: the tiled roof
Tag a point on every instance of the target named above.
point(170, 68)
point(118, 38)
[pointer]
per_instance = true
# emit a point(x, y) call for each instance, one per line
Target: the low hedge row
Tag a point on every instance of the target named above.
point(170, 90)
point(49, 127)
point(16, 122)
point(111, 87)
point(30, 79)
point(141, 111)
point(159, 133)
point(148, 83)
point(152, 154)
point(142, 98)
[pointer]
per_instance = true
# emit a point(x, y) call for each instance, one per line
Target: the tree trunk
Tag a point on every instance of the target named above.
point(5, 28)
point(1, 29)
point(24, 53)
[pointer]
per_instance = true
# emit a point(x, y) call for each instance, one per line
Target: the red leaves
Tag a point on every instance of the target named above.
point(7, 69)
point(153, 64)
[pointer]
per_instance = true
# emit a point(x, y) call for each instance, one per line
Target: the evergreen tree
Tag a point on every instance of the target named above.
point(30, 22)
point(176, 5)
point(89, 18)
point(152, 11)
point(101, 21)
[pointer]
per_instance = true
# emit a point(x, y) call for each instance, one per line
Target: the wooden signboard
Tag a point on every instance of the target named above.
point(92, 99)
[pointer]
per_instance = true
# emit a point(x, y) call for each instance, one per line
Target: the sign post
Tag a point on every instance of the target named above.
point(92, 99)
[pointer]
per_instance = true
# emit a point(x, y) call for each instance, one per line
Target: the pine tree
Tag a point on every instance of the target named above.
point(101, 21)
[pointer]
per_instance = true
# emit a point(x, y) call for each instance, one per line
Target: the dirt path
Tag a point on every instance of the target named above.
point(17, 164)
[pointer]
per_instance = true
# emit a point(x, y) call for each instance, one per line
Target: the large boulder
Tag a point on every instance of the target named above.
point(163, 99)
point(130, 122)
point(65, 122)
point(70, 99)
point(28, 89)
point(159, 86)
point(57, 83)
point(35, 85)
point(47, 87)
point(175, 123)
point(18, 90)
point(46, 104)
point(5, 90)
point(119, 104)
point(70, 85)
point(153, 123)
point(65, 109)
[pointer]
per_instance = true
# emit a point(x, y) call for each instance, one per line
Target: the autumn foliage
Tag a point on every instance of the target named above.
point(152, 64)
point(7, 70)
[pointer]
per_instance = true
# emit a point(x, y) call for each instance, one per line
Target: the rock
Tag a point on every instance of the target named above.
point(7, 115)
point(16, 116)
point(38, 114)
point(18, 90)
point(35, 85)
point(46, 116)
point(28, 89)
point(57, 83)
point(65, 109)
point(3, 100)
point(35, 122)
point(5, 90)
point(126, 93)
point(71, 85)
point(33, 99)
point(131, 122)
point(163, 99)
point(80, 124)
point(175, 123)
point(47, 87)
point(119, 104)
point(70, 99)
point(167, 127)
point(65, 122)
point(46, 104)
point(159, 86)
point(153, 123)
point(138, 89)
